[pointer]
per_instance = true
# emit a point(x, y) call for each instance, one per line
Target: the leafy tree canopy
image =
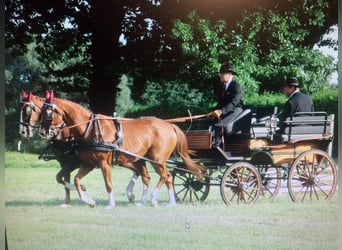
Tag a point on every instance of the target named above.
point(205, 46)
point(77, 48)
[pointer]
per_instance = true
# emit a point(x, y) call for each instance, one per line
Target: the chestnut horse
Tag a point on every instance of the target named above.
point(60, 143)
point(143, 139)
point(29, 113)
point(29, 116)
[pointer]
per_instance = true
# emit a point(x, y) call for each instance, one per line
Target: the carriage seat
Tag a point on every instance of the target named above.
point(240, 124)
point(304, 125)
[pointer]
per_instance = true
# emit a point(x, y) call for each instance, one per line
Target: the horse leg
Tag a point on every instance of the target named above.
point(59, 178)
point(83, 171)
point(63, 177)
point(145, 177)
point(172, 196)
point(107, 175)
point(130, 186)
point(163, 177)
point(139, 168)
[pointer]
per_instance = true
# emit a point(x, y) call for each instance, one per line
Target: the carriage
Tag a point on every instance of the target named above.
point(255, 160)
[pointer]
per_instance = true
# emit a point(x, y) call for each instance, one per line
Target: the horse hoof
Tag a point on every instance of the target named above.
point(65, 205)
point(140, 204)
point(131, 198)
point(91, 204)
point(171, 205)
point(154, 203)
point(110, 207)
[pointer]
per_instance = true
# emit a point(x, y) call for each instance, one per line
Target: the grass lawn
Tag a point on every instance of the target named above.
point(35, 220)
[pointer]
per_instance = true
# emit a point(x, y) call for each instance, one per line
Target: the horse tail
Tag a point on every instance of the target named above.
point(182, 150)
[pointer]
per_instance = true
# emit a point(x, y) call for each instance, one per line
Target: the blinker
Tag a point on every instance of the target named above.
point(49, 114)
point(28, 110)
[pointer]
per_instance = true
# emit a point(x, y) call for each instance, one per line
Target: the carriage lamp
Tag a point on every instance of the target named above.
point(271, 123)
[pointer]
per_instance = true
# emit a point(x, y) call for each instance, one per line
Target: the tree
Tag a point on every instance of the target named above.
point(265, 46)
point(74, 48)
point(150, 39)
point(92, 29)
point(287, 53)
point(106, 18)
point(94, 33)
point(123, 98)
point(47, 33)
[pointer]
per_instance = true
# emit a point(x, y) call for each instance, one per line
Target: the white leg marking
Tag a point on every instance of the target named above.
point(69, 186)
point(111, 202)
point(143, 197)
point(172, 198)
point(87, 199)
point(154, 197)
point(129, 189)
point(144, 194)
point(65, 205)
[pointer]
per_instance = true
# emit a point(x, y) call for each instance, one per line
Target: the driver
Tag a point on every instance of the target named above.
point(230, 103)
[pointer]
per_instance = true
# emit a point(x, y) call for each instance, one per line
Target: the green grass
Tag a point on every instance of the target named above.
point(34, 219)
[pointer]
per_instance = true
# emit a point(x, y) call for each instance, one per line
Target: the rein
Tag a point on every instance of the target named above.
point(96, 118)
point(102, 117)
point(186, 118)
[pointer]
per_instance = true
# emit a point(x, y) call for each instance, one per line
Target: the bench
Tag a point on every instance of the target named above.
point(308, 125)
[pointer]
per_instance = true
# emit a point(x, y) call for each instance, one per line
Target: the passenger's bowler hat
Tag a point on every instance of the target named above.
point(292, 81)
point(227, 68)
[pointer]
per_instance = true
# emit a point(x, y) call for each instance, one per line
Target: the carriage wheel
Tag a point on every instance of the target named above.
point(240, 184)
point(312, 176)
point(188, 188)
point(270, 180)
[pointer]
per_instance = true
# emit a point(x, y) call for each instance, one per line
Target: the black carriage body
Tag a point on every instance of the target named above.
point(301, 156)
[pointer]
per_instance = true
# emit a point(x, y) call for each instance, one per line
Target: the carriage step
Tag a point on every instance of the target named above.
point(228, 156)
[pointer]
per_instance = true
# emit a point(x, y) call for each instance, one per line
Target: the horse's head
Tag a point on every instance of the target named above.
point(51, 120)
point(29, 113)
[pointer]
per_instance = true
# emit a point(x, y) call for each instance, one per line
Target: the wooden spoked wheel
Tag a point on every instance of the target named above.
point(312, 176)
point(270, 180)
point(188, 188)
point(240, 184)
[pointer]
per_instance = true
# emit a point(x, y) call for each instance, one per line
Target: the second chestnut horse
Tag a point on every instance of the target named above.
point(143, 139)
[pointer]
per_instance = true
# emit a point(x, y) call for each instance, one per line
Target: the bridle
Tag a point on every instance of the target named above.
point(48, 110)
point(25, 121)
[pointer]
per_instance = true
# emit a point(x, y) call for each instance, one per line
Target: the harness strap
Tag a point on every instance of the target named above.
point(119, 132)
point(91, 119)
point(118, 138)
point(98, 130)
point(136, 155)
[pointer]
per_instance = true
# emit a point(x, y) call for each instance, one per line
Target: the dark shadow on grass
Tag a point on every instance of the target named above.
point(59, 202)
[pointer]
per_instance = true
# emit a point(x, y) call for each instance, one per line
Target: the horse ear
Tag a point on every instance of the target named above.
point(47, 96)
point(52, 98)
point(23, 95)
point(30, 96)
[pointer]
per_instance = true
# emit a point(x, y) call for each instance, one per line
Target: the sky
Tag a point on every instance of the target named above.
point(330, 51)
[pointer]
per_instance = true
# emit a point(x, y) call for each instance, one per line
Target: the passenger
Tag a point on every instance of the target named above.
point(297, 101)
point(229, 105)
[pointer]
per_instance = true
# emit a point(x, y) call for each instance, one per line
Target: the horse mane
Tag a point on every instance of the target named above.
point(74, 104)
point(39, 98)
